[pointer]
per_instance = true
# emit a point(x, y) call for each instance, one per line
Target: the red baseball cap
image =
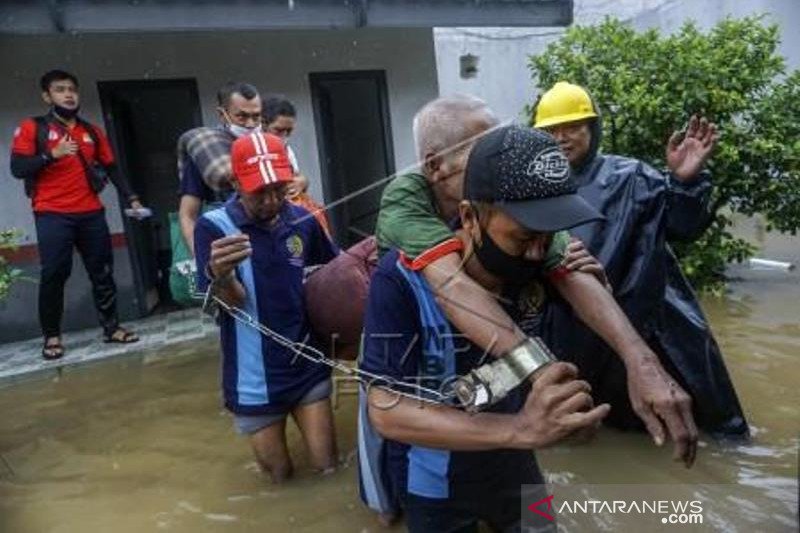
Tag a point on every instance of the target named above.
point(260, 159)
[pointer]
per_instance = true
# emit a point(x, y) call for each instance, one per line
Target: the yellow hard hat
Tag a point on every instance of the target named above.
point(564, 102)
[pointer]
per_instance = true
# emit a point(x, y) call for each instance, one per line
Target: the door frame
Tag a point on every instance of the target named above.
point(321, 117)
point(106, 91)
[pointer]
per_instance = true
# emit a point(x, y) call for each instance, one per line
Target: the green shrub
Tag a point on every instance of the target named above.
point(8, 274)
point(647, 85)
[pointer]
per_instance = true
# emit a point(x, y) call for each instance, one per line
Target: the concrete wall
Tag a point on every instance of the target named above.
point(276, 61)
point(503, 78)
point(669, 16)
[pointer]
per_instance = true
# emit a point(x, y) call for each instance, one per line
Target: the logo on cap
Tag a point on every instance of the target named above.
point(259, 158)
point(550, 165)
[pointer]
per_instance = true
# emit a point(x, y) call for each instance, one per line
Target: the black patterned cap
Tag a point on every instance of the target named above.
point(523, 172)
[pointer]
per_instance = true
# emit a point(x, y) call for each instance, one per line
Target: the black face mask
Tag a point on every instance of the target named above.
point(66, 114)
point(509, 268)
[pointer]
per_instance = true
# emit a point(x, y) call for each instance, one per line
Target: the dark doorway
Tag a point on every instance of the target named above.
point(351, 112)
point(144, 119)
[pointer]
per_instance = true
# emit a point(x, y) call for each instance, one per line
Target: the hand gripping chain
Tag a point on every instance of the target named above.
point(482, 387)
point(414, 391)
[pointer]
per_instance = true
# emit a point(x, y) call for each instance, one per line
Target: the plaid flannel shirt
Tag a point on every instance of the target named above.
point(210, 150)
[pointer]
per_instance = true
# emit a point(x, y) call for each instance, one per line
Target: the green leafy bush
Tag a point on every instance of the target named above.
point(8, 274)
point(647, 85)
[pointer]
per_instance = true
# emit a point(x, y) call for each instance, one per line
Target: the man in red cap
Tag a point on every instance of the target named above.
point(251, 253)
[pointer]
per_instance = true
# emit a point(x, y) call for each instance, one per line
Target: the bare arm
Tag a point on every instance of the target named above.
point(471, 308)
point(658, 400)
point(557, 406)
point(598, 310)
point(437, 426)
point(578, 258)
point(230, 290)
point(409, 222)
point(188, 213)
point(476, 312)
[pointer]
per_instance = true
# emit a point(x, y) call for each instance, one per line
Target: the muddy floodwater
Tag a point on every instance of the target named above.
point(142, 443)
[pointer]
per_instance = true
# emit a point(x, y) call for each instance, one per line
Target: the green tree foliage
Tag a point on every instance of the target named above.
point(8, 274)
point(647, 85)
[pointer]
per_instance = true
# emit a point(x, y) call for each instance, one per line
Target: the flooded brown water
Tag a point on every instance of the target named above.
point(142, 444)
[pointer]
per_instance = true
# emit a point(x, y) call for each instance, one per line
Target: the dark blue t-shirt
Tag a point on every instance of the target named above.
point(259, 376)
point(408, 338)
point(192, 184)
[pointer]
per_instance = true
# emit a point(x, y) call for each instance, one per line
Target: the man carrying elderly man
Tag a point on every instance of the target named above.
point(436, 463)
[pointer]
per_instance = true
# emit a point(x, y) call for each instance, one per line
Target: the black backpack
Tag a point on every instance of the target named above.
point(95, 173)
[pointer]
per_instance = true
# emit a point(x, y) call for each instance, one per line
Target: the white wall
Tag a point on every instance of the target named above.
point(274, 61)
point(503, 77)
point(670, 15)
point(277, 61)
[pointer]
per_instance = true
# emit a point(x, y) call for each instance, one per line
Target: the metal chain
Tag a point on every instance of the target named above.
point(420, 393)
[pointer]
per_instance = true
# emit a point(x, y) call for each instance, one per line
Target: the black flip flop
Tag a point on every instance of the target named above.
point(52, 351)
point(127, 337)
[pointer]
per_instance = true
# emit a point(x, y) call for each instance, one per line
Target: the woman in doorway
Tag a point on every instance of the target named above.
point(280, 118)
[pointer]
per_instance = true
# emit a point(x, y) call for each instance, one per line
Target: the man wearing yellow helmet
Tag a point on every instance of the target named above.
point(644, 209)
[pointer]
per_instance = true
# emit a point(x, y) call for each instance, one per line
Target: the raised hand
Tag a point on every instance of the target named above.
point(688, 152)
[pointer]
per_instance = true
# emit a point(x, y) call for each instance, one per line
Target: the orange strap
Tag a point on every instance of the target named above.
point(558, 273)
point(432, 254)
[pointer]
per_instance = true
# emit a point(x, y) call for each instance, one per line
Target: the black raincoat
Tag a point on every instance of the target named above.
point(643, 210)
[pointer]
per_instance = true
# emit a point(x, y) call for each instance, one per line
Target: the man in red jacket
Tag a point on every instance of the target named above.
point(64, 161)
